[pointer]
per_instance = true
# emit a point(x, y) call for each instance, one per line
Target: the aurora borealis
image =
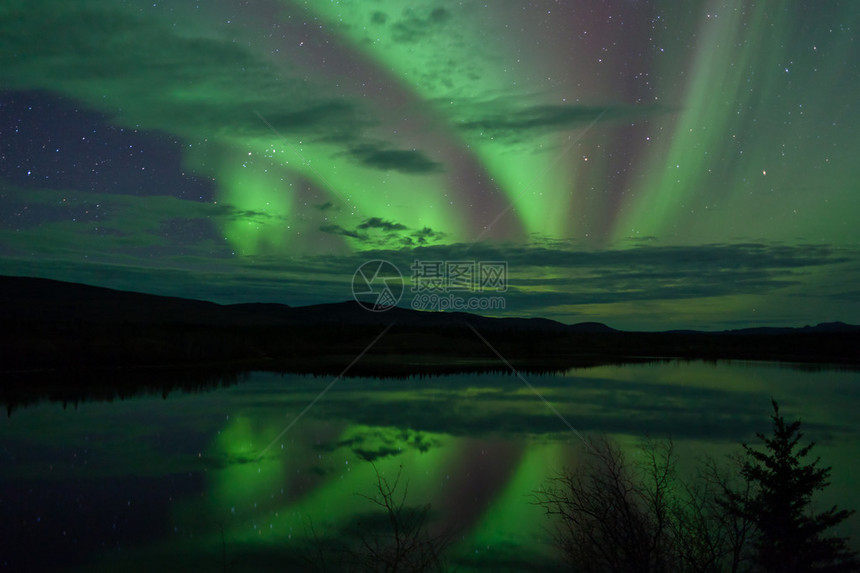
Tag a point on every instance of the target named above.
point(646, 164)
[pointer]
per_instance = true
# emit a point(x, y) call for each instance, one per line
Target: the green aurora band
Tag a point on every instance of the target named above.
point(336, 128)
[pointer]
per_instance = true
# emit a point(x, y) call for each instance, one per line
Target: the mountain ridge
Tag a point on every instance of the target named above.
point(50, 299)
point(57, 325)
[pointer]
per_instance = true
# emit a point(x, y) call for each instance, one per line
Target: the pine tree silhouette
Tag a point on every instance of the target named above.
point(790, 537)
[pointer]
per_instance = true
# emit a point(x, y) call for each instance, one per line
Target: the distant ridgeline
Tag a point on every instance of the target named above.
point(49, 324)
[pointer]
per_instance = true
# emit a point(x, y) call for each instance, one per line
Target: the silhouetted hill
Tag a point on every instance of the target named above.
point(57, 301)
point(824, 327)
point(590, 327)
point(52, 324)
point(36, 299)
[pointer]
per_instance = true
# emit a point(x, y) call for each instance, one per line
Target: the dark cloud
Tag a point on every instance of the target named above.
point(637, 275)
point(377, 223)
point(338, 118)
point(230, 212)
point(145, 75)
point(374, 443)
point(338, 230)
point(672, 259)
point(500, 120)
point(394, 235)
point(849, 295)
point(413, 27)
point(328, 205)
point(423, 237)
point(125, 229)
point(541, 280)
point(384, 159)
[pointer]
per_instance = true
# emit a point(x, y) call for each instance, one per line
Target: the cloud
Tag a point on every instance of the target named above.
point(328, 205)
point(370, 442)
point(393, 235)
point(542, 275)
point(504, 120)
point(541, 281)
point(333, 229)
point(544, 281)
point(424, 236)
point(405, 161)
point(139, 71)
point(114, 227)
point(377, 223)
point(145, 75)
point(692, 259)
point(413, 27)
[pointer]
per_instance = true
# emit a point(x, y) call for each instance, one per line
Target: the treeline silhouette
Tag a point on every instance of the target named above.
point(72, 387)
point(80, 344)
point(54, 325)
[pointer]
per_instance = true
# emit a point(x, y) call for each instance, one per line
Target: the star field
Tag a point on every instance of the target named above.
point(234, 151)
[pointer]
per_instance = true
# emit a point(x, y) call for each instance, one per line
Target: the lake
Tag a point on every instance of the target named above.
point(239, 478)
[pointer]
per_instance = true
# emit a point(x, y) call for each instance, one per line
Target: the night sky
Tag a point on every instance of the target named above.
point(649, 165)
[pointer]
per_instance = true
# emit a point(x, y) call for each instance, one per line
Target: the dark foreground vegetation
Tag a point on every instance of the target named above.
point(755, 514)
point(635, 514)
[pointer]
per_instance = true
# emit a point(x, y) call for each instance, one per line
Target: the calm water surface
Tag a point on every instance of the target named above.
point(213, 482)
